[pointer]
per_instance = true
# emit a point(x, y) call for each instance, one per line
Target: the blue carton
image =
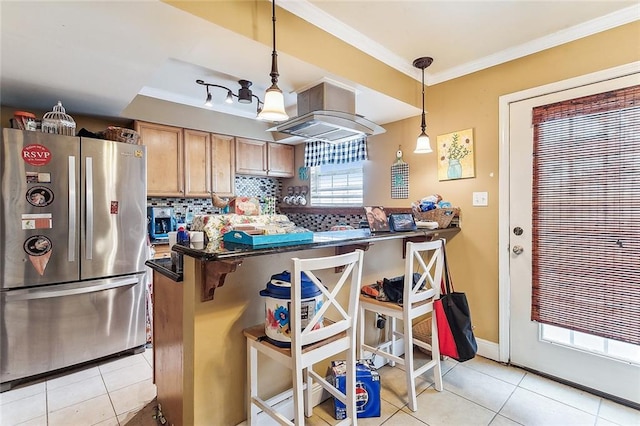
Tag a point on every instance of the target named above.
point(367, 388)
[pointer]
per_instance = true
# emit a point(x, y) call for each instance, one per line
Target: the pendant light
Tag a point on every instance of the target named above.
point(273, 109)
point(423, 145)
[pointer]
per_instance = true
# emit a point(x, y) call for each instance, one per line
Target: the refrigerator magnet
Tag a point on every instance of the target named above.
point(38, 247)
point(36, 155)
point(36, 221)
point(39, 196)
point(37, 177)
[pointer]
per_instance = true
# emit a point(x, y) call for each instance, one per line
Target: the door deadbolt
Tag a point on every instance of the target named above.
point(517, 230)
point(517, 249)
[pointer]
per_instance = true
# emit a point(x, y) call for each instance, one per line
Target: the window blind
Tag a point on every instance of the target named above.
point(337, 184)
point(586, 215)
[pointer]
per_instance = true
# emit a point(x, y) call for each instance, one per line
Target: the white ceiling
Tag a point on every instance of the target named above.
point(97, 56)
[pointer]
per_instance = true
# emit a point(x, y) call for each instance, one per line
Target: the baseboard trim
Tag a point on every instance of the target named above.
point(318, 395)
point(488, 349)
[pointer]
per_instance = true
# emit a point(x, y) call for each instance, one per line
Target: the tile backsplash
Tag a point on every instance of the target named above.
point(260, 187)
point(248, 186)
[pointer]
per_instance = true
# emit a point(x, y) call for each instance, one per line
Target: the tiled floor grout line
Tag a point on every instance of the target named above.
point(395, 410)
point(113, 407)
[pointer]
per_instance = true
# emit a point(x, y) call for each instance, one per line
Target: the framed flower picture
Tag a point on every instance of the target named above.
point(456, 155)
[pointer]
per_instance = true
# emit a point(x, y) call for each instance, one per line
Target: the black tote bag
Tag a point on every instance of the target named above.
point(456, 309)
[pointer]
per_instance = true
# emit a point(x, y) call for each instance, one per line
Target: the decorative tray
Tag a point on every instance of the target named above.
point(240, 237)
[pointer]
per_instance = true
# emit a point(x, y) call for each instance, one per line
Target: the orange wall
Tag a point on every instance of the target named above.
point(472, 102)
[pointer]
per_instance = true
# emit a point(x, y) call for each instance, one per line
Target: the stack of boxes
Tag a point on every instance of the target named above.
point(367, 388)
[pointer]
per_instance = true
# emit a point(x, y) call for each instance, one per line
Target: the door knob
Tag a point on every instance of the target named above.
point(517, 249)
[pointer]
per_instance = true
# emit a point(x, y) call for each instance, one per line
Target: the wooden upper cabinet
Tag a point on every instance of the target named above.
point(165, 159)
point(260, 158)
point(223, 157)
point(251, 157)
point(197, 163)
point(281, 160)
point(187, 163)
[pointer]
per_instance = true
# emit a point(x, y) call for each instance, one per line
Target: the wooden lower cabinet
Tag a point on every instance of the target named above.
point(162, 251)
point(168, 362)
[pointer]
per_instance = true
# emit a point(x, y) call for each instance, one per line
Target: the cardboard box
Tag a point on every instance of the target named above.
point(367, 388)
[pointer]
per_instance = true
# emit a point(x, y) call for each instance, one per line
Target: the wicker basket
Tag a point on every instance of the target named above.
point(422, 331)
point(120, 134)
point(443, 216)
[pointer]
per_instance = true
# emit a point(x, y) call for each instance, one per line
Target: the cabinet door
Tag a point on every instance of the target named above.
point(222, 164)
point(281, 160)
point(197, 163)
point(251, 157)
point(165, 172)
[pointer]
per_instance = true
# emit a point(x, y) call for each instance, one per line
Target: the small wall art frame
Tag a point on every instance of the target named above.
point(456, 155)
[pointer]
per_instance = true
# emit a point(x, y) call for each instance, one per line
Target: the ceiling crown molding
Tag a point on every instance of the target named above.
point(326, 22)
point(319, 18)
point(612, 20)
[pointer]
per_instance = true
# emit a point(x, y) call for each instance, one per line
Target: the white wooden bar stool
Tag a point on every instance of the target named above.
point(416, 301)
point(314, 343)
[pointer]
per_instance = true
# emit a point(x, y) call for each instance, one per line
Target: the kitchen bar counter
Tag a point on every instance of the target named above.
point(199, 349)
point(214, 251)
point(343, 241)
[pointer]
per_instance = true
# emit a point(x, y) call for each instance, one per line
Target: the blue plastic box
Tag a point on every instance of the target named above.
point(241, 237)
point(367, 388)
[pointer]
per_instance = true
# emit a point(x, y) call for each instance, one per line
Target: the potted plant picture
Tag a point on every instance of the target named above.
point(456, 155)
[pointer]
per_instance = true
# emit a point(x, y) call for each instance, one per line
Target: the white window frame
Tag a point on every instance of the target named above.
point(341, 185)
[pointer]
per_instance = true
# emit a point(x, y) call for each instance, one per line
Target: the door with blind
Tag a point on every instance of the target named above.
point(574, 223)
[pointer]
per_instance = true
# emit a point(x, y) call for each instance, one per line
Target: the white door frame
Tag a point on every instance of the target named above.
point(503, 209)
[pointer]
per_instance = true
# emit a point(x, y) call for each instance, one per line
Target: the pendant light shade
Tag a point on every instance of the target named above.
point(273, 109)
point(423, 144)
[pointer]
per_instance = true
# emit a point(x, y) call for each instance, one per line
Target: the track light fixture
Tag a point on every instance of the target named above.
point(273, 99)
point(423, 145)
point(244, 96)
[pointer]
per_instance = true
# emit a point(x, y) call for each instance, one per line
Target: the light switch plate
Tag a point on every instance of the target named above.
point(480, 198)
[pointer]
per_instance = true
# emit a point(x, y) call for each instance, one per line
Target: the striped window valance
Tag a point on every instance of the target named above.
point(317, 153)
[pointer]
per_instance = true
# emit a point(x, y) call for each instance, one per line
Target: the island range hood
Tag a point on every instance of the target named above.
point(327, 113)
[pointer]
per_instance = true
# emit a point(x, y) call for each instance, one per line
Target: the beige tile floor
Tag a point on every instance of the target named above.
point(477, 392)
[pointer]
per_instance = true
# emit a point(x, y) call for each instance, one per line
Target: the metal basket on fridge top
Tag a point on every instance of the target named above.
point(58, 122)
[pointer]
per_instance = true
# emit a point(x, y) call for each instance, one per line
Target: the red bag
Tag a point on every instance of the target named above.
point(445, 337)
point(455, 332)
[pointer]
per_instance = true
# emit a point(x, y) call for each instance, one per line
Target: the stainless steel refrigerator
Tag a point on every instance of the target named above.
point(73, 238)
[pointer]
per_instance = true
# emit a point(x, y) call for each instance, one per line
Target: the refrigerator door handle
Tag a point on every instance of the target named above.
point(12, 296)
point(71, 252)
point(89, 209)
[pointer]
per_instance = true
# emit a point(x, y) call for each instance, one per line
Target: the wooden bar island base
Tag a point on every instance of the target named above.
point(199, 315)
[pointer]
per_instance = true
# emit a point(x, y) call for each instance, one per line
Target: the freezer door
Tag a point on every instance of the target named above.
point(40, 208)
point(56, 326)
point(114, 198)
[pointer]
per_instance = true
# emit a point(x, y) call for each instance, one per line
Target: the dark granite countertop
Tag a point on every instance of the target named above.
point(165, 267)
point(229, 251)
